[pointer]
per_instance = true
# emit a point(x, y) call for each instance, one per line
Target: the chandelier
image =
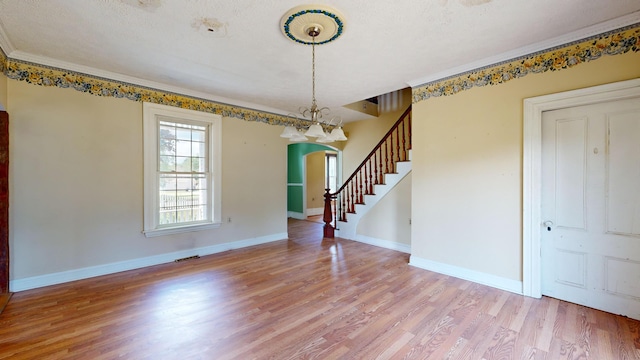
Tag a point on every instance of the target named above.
point(320, 25)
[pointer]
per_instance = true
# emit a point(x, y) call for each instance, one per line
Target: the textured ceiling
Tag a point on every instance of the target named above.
point(247, 61)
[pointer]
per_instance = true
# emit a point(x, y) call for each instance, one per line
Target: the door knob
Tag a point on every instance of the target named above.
point(548, 224)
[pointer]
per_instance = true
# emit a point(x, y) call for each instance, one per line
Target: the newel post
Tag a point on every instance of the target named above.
point(328, 215)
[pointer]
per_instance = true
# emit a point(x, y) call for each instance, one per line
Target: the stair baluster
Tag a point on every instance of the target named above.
point(370, 178)
point(404, 147)
point(380, 173)
point(366, 179)
point(352, 192)
point(398, 142)
point(353, 206)
point(409, 129)
point(375, 167)
point(386, 157)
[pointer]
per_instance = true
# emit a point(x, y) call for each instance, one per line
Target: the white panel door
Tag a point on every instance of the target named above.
point(591, 206)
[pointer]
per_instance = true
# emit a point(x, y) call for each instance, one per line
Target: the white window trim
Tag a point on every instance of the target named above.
point(150, 113)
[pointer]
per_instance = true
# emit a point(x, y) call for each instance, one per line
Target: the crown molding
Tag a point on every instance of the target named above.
point(546, 45)
point(5, 45)
point(43, 61)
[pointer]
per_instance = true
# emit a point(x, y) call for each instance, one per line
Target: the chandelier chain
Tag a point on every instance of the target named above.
point(316, 22)
point(313, 70)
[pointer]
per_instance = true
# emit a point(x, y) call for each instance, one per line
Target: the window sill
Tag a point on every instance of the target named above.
point(180, 229)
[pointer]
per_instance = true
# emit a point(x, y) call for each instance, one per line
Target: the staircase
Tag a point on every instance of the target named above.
point(385, 166)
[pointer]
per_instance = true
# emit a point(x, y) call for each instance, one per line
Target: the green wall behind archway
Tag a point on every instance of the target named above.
point(295, 173)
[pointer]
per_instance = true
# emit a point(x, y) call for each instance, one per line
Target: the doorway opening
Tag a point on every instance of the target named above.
point(311, 168)
point(532, 221)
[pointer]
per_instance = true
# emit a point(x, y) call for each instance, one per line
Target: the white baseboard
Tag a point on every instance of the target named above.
point(296, 215)
point(92, 271)
point(387, 244)
point(315, 211)
point(498, 282)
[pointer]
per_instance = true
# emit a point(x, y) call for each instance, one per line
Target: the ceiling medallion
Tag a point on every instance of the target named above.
point(296, 22)
point(313, 26)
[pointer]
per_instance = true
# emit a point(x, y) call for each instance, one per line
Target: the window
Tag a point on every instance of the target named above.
point(331, 171)
point(181, 170)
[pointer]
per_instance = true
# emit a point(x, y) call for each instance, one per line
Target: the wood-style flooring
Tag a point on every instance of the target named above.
point(302, 298)
point(4, 300)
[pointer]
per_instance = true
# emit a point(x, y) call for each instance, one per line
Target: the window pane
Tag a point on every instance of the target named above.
point(200, 212)
point(167, 206)
point(183, 164)
point(198, 165)
point(167, 217)
point(200, 197)
point(332, 166)
point(197, 149)
point(198, 135)
point(200, 182)
point(183, 134)
point(168, 182)
point(331, 171)
point(168, 200)
point(167, 163)
point(183, 148)
point(167, 140)
point(184, 183)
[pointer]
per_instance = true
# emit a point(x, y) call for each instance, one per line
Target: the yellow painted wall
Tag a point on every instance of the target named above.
point(389, 219)
point(315, 180)
point(76, 183)
point(3, 92)
point(467, 167)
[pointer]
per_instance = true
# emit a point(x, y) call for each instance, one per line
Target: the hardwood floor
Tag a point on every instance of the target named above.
point(299, 299)
point(4, 300)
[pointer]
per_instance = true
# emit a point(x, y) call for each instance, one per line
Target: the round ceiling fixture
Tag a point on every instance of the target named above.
point(297, 22)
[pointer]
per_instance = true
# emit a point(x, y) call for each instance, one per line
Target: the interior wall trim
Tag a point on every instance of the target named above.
point(387, 244)
point(497, 282)
point(296, 215)
point(315, 211)
point(105, 269)
point(558, 58)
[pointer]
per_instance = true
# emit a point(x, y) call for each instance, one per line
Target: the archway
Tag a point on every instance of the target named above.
point(296, 176)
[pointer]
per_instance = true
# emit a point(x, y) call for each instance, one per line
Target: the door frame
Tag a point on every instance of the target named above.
point(532, 166)
point(301, 155)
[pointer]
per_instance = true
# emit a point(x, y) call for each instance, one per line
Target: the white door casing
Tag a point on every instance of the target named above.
point(532, 154)
point(590, 239)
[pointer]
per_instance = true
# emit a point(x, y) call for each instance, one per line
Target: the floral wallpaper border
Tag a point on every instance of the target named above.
point(3, 61)
point(612, 43)
point(562, 57)
point(48, 76)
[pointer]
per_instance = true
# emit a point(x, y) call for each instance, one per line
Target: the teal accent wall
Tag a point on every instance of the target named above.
point(294, 198)
point(295, 172)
